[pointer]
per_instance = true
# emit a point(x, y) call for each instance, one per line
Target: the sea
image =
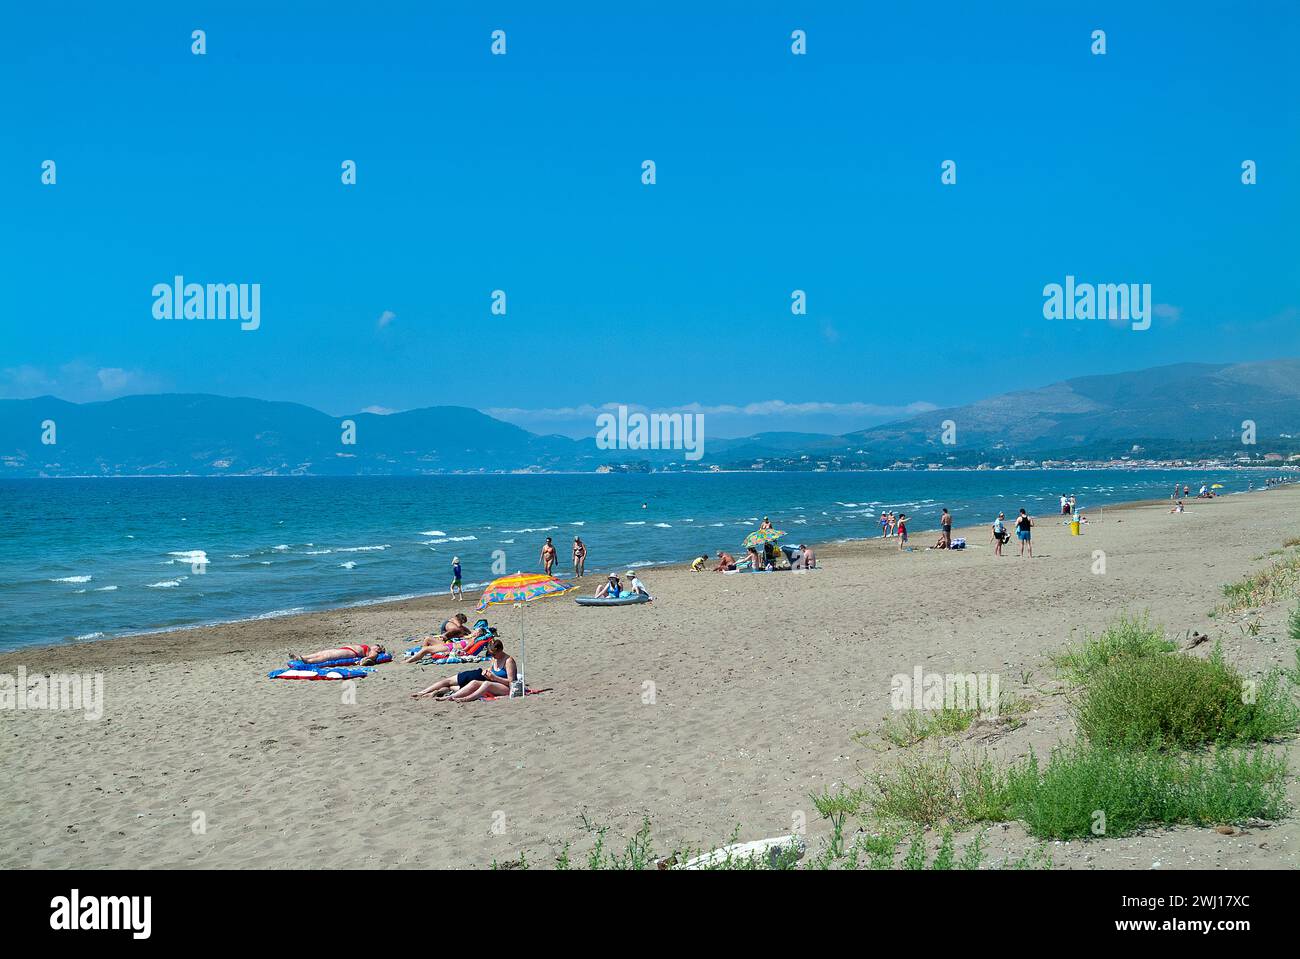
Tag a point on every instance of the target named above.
point(87, 559)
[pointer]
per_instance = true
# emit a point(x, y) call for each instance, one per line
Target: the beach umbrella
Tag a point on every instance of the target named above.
point(1216, 486)
point(517, 590)
point(760, 536)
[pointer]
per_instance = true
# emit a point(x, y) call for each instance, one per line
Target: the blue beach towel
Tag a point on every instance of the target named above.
point(321, 672)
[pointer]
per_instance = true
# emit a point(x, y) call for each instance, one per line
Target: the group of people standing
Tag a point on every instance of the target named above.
point(1024, 526)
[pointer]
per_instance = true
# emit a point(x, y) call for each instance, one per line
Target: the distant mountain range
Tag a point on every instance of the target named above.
point(1170, 411)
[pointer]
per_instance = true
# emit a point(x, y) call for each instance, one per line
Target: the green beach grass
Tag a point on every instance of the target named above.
point(1165, 739)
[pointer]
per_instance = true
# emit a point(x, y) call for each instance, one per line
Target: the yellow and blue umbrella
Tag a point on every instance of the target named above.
point(518, 589)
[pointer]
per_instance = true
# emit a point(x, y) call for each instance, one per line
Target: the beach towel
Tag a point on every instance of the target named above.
point(320, 672)
point(349, 661)
point(475, 652)
point(437, 660)
point(488, 697)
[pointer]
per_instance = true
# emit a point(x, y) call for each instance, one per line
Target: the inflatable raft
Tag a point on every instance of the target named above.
point(606, 601)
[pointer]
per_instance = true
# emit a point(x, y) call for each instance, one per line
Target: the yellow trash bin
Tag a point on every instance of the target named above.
point(1074, 527)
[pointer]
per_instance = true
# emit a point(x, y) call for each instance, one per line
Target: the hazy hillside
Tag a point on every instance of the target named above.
point(1179, 409)
point(1188, 402)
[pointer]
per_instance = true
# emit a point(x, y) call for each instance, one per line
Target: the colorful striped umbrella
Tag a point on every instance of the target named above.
point(521, 588)
point(760, 536)
point(517, 590)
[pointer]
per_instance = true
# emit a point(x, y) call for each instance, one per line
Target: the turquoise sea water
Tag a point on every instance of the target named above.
point(84, 559)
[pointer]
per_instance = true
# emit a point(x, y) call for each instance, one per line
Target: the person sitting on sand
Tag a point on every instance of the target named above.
point(697, 566)
point(364, 654)
point(752, 557)
point(1178, 508)
point(452, 632)
point(806, 558)
point(726, 562)
point(609, 589)
point(471, 684)
point(637, 588)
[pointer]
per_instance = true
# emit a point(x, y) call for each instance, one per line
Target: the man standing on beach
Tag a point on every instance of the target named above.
point(1024, 527)
point(548, 556)
point(579, 557)
point(945, 523)
point(455, 578)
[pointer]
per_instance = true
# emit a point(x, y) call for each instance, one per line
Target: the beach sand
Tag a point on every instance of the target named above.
point(717, 708)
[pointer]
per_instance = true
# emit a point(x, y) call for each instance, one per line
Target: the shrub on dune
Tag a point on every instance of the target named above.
point(1181, 701)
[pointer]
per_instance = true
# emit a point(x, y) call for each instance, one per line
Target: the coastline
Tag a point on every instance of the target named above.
point(718, 708)
point(438, 603)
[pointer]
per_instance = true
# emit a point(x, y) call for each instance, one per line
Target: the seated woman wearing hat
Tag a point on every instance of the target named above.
point(610, 589)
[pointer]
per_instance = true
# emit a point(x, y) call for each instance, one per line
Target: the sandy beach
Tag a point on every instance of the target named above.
point(717, 708)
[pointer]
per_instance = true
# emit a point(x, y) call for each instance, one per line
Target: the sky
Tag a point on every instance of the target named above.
point(522, 173)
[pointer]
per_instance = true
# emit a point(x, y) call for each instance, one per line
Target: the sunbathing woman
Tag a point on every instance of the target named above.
point(366, 655)
point(454, 633)
point(470, 684)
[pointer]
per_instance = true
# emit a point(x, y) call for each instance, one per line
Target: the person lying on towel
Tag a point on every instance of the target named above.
point(454, 638)
point(364, 654)
point(471, 684)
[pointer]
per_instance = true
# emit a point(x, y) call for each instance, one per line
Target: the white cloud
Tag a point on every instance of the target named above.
point(77, 381)
point(1167, 311)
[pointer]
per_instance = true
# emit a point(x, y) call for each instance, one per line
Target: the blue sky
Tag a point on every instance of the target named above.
point(523, 173)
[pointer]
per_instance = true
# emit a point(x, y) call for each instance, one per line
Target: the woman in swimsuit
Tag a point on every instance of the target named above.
point(453, 631)
point(902, 531)
point(471, 684)
point(364, 654)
